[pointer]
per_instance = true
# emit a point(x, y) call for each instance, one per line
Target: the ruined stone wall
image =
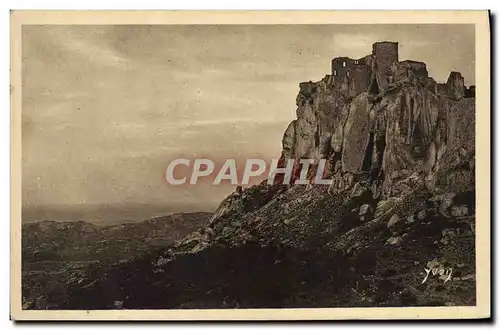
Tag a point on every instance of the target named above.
point(410, 71)
point(351, 76)
point(340, 66)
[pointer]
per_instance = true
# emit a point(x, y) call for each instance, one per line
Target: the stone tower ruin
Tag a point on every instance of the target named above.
point(385, 54)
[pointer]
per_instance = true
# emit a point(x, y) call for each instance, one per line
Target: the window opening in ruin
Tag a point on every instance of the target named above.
point(348, 73)
point(343, 64)
point(334, 72)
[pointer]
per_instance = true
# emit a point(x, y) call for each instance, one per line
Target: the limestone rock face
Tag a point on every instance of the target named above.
point(337, 139)
point(411, 123)
point(356, 134)
point(461, 120)
point(319, 111)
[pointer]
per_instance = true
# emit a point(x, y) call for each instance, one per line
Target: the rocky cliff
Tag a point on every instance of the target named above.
point(400, 151)
point(398, 122)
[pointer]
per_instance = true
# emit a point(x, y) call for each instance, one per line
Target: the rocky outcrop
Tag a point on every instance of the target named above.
point(399, 120)
point(317, 114)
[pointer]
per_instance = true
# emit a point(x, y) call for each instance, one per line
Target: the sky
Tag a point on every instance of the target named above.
point(106, 108)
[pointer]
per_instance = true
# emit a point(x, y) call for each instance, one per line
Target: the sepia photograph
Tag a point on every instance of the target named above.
point(181, 164)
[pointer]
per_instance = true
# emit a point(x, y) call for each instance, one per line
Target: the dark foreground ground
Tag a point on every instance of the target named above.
point(294, 248)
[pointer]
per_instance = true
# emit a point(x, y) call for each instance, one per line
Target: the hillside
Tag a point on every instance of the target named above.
point(56, 254)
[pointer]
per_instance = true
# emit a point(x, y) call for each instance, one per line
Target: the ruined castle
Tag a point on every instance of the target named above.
point(379, 115)
point(382, 70)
